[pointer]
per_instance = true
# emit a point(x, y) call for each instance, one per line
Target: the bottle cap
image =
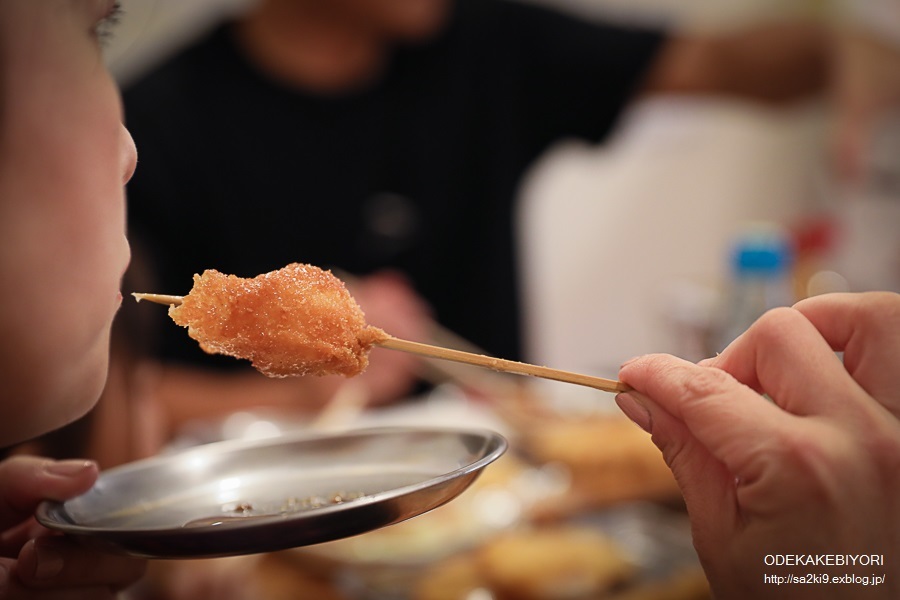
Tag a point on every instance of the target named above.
point(762, 252)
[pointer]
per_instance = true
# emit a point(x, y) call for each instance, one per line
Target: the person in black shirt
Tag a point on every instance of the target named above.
point(390, 136)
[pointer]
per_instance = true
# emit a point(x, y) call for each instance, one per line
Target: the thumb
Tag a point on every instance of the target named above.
point(27, 480)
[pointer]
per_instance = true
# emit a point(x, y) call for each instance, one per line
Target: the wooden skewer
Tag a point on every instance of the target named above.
point(158, 298)
point(503, 365)
point(491, 383)
point(480, 360)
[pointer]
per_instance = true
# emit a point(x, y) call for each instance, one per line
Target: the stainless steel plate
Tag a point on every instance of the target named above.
point(233, 498)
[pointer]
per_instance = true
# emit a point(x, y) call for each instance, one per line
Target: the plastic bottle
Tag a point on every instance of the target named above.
point(761, 279)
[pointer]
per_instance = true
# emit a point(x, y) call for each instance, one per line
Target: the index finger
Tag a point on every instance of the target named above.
point(784, 356)
point(866, 328)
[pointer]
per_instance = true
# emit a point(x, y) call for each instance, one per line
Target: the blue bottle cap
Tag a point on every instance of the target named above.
point(762, 253)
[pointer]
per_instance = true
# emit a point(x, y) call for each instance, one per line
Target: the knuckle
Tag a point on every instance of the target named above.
point(706, 382)
point(775, 324)
point(881, 310)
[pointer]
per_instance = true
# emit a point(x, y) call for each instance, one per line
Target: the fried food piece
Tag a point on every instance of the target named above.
point(685, 584)
point(454, 578)
point(298, 320)
point(626, 466)
point(564, 563)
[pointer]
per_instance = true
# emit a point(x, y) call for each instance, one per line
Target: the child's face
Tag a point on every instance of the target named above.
point(64, 159)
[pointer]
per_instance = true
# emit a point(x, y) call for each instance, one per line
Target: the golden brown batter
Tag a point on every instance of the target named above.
point(298, 320)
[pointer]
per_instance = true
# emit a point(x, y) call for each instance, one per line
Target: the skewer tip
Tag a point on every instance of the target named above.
point(158, 298)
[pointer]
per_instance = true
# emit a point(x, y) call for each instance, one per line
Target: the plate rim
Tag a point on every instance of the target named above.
point(496, 446)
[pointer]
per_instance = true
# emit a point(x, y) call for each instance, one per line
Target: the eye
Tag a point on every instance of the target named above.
point(104, 28)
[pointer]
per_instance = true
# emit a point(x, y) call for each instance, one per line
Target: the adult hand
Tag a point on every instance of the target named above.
point(36, 563)
point(811, 470)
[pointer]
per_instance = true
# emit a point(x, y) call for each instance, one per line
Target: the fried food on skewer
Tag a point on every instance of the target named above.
point(301, 320)
point(298, 320)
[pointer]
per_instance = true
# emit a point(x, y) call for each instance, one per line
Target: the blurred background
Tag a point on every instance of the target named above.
point(646, 210)
point(692, 217)
point(152, 30)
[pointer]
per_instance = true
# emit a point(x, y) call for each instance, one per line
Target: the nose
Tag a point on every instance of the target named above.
point(129, 155)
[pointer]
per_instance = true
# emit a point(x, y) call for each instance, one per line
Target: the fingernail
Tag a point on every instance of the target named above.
point(49, 561)
point(69, 468)
point(634, 410)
